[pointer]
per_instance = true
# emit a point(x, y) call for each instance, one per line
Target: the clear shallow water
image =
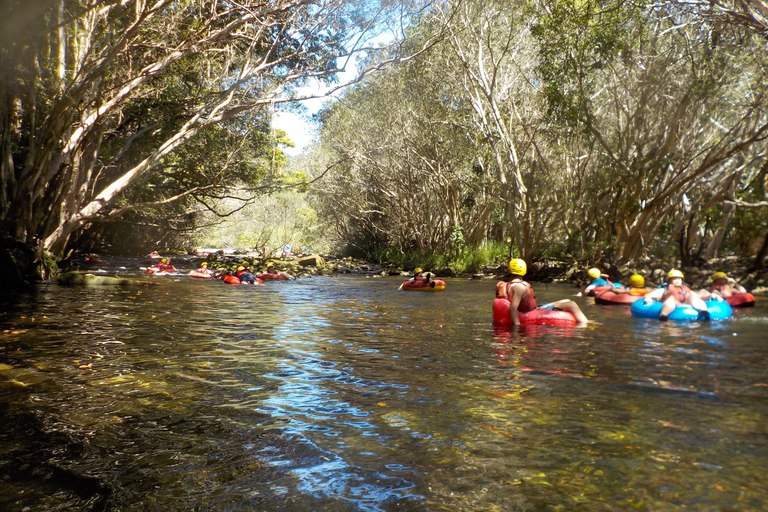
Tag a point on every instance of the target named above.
point(343, 394)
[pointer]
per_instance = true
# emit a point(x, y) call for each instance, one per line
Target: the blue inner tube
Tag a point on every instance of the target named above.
point(718, 310)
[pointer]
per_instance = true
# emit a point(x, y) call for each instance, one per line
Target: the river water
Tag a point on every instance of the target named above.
point(343, 394)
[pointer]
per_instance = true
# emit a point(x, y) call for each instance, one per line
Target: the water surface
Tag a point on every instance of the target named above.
point(341, 393)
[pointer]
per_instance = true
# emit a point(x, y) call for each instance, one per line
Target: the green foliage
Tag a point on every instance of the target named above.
point(265, 225)
point(456, 240)
point(575, 40)
point(466, 260)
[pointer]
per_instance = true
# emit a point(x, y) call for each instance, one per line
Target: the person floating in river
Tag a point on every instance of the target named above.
point(722, 286)
point(636, 286)
point(418, 276)
point(598, 280)
point(204, 269)
point(92, 261)
point(245, 275)
point(674, 292)
point(521, 297)
point(271, 270)
point(164, 266)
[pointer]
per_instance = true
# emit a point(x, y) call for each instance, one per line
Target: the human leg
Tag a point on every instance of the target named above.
point(669, 306)
point(696, 302)
point(573, 308)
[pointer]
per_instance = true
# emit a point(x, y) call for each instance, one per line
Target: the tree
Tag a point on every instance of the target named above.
point(660, 90)
point(100, 97)
point(407, 172)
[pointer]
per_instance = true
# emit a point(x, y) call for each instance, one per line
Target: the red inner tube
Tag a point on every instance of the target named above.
point(537, 316)
point(608, 297)
point(418, 285)
point(272, 277)
point(741, 300)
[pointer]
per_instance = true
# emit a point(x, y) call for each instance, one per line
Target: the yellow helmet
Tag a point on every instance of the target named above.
point(204, 264)
point(594, 273)
point(517, 267)
point(637, 281)
point(240, 268)
point(719, 275)
point(164, 260)
point(418, 270)
point(675, 273)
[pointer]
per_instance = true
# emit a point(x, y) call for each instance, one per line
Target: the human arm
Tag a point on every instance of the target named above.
point(655, 295)
point(736, 286)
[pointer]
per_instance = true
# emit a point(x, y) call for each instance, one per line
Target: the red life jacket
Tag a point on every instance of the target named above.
point(527, 303)
point(681, 293)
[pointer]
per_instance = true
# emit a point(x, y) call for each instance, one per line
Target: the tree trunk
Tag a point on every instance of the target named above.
point(714, 244)
point(760, 258)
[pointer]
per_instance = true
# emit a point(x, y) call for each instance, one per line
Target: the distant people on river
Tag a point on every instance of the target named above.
point(521, 297)
point(420, 275)
point(271, 270)
point(598, 280)
point(154, 255)
point(722, 286)
point(204, 269)
point(244, 274)
point(636, 286)
point(164, 266)
point(675, 292)
point(91, 261)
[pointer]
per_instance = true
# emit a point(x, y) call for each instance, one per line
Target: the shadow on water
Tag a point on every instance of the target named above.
point(344, 394)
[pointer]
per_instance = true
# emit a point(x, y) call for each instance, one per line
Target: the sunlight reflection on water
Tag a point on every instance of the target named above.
point(344, 394)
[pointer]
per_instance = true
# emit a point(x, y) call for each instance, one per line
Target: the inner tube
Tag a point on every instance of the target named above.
point(741, 300)
point(435, 285)
point(236, 280)
point(200, 275)
point(158, 272)
point(537, 316)
point(597, 290)
point(610, 298)
point(718, 310)
point(272, 277)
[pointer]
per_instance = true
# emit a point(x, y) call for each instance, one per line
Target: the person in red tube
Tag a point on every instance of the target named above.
point(245, 275)
point(723, 286)
point(165, 266)
point(521, 297)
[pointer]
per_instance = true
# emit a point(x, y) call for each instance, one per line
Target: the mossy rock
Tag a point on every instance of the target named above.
point(74, 278)
point(312, 261)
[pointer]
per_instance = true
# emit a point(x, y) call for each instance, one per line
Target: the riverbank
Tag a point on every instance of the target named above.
point(568, 272)
point(546, 271)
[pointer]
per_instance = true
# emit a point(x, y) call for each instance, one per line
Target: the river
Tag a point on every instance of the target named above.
point(343, 394)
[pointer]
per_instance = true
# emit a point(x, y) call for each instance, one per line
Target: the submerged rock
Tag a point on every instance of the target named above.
point(74, 278)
